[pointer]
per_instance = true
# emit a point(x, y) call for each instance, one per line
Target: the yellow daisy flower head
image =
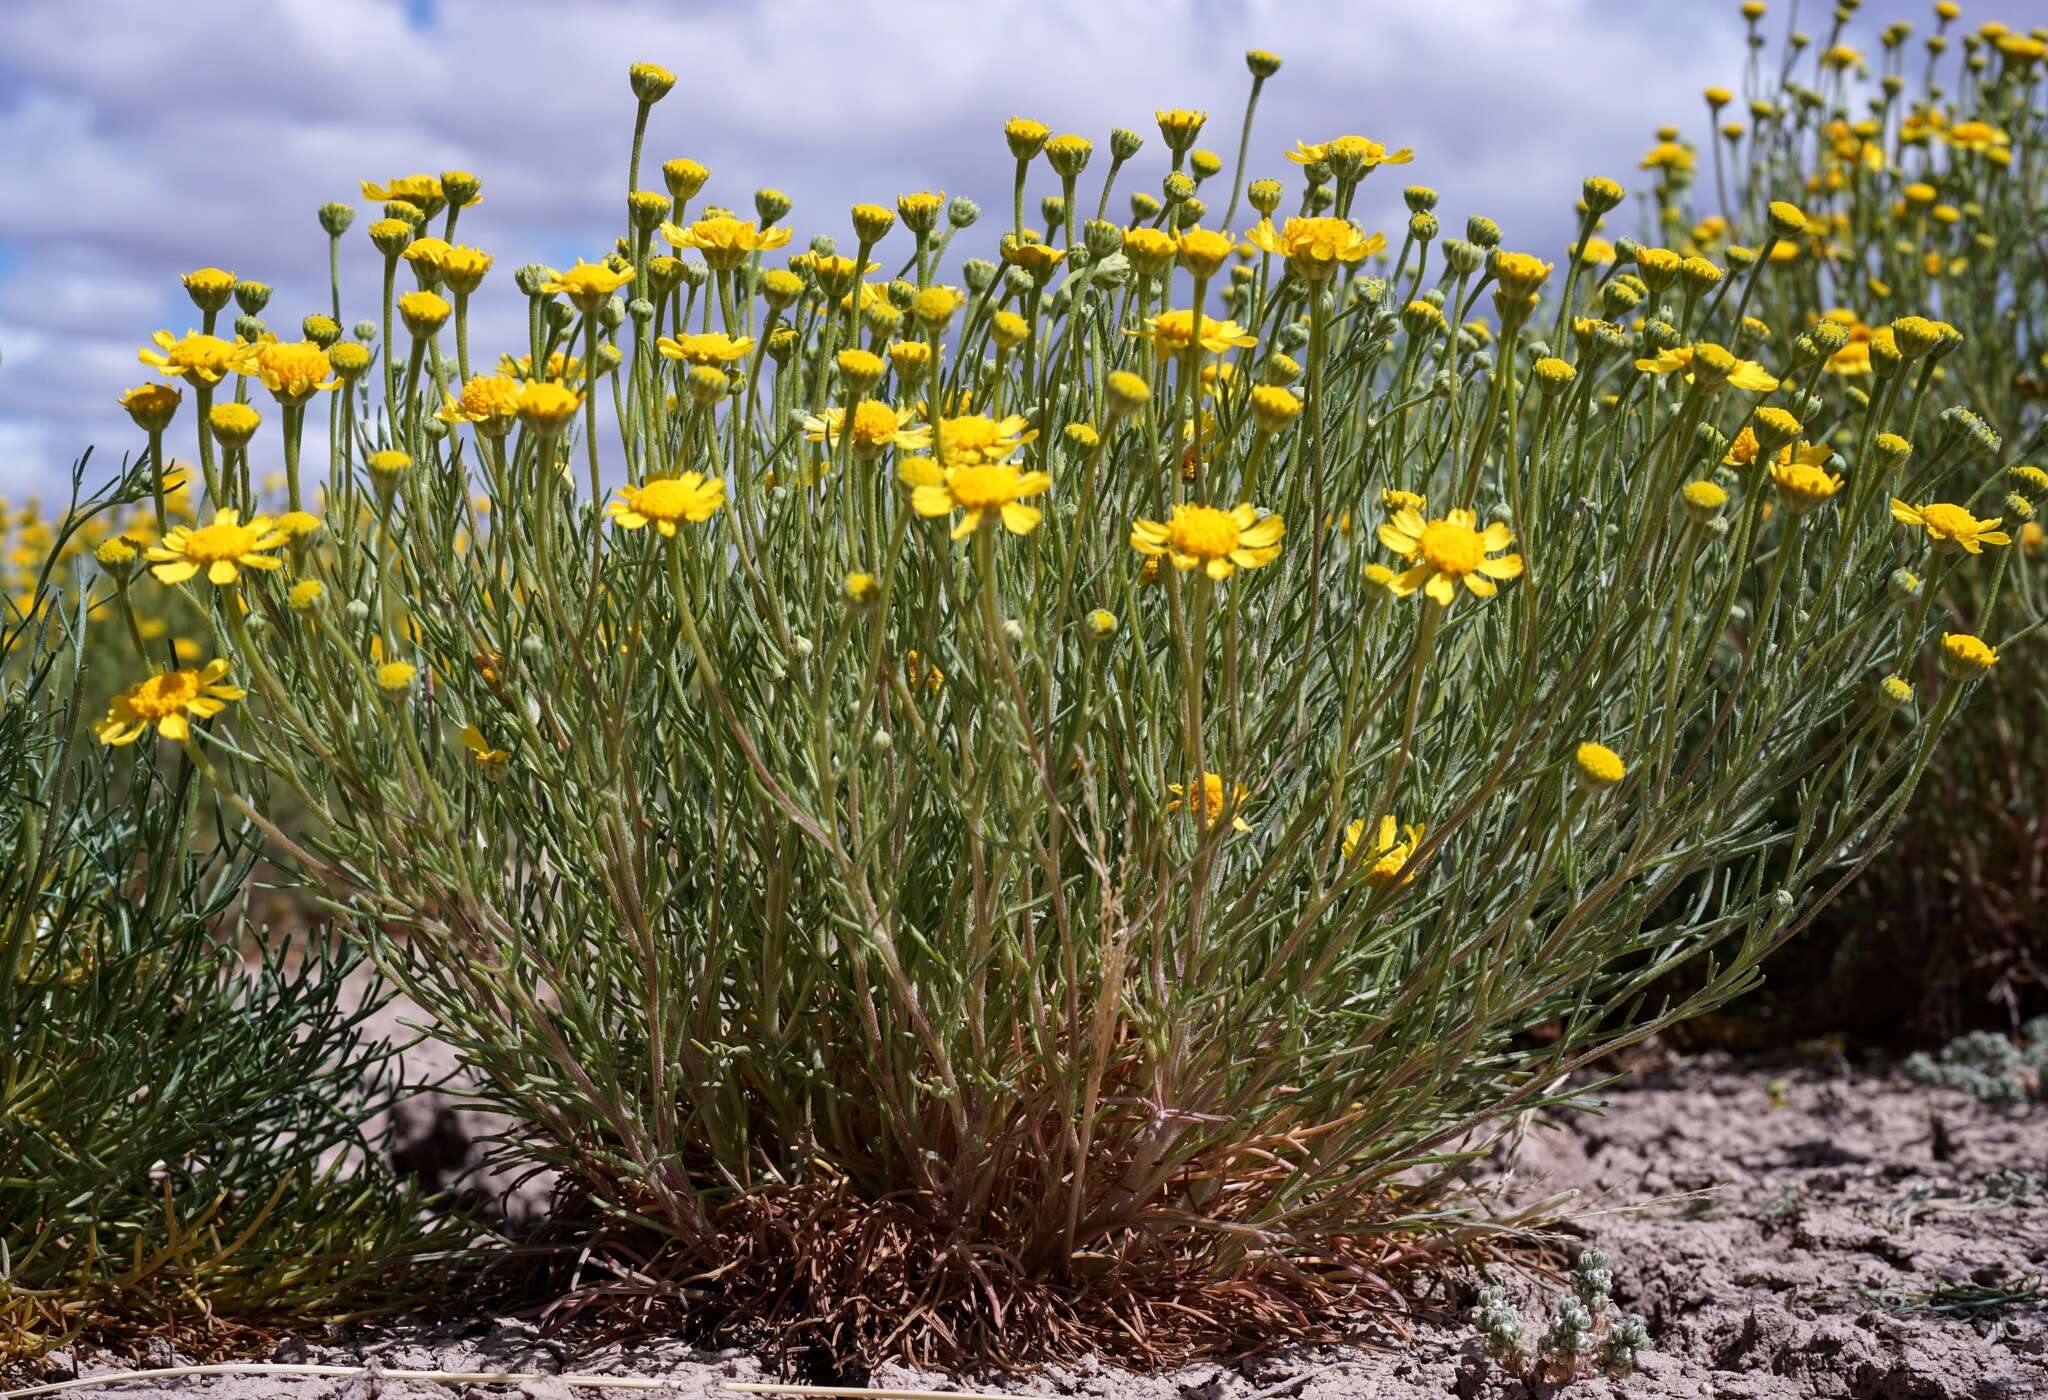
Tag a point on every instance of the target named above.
point(1315, 248)
point(1598, 766)
point(1950, 528)
point(490, 401)
point(424, 312)
point(1703, 500)
point(298, 527)
point(1349, 157)
point(1448, 551)
point(724, 241)
point(588, 285)
point(395, 678)
point(222, 549)
point(423, 191)
point(1203, 251)
point(983, 490)
point(306, 594)
point(1218, 541)
point(876, 428)
point(1212, 803)
point(464, 267)
point(203, 359)
point(666, 501)
point(707, 348)
point(151, 406)
point(1804, 483)
point(234, 423)
point(293, 370)
point(1179, 126)
point(1389, 846)
point(1173, 333)
point(546, 408)
point(975, 439)
point(1720, 365)
point(1965, 657)
point(209, 287)
point(168, 700)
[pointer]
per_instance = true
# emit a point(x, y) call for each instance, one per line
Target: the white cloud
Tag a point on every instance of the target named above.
point(209, 133)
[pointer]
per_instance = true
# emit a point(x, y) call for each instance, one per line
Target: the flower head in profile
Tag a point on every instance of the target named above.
point(975, 439)
point(1315, 248)
point(1445, 552)
point(876, 428)
point(1951, 528)
point(1598, 766)
point(168, 700)
point(724, 241)
point(1173, 333)
point(588, 285)
point(1389, 847)
point(1804, 483)
point(1965, 657)
point(1218, 541)
point(292, 370)
point(1351, 157)
point(222, 549)
point(705, 348)
point(982, 490)
point(421, 191)
point(666, 501)
point(152, 406)
point(1739, 374)
point(203, 359)
point(1211, 804)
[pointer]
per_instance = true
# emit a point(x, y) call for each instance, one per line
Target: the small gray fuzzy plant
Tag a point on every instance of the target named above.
point(1584, 1331)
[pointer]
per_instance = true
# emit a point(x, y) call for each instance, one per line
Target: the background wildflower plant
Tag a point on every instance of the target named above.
point(1057, 837)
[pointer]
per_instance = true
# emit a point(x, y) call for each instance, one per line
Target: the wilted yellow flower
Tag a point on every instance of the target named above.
point(1950, 528)
point(223, 549)
point(165, 700)
point(1219, 541)
point(1448, 551)
point(666, 501)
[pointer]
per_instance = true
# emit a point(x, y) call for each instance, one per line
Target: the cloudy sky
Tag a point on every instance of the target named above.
point(161, 138)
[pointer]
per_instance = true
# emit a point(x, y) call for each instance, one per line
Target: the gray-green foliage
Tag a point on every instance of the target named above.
point(180, 1136)
point(1988, 1065)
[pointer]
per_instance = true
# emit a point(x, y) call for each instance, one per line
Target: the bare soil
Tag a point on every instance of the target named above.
point(1786, 1228)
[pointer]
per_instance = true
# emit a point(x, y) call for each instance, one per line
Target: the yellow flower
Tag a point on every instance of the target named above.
point(1390, 849)
point(424, 312)
point(223, 549)
point(1220, 541)
point(1598, 766)
point(205, 359)
point(1315, 248)
point(394, 678)
point(1446, 551)
point(1746, 374)
point(492, 761)
point(422, 190)
point(1212, 802)
point(724, 241)
point(1354, 151)
point(1966, 658)
point(707, 348)
point(1703, 499)
point(664, 501)
point(293, 371)
point(1173, 332)
point(1804, 482)
point(976, 439)
point(1203, 251)
point(1951, 528)
point(588, 285)
point(1976, 136)
point(982, 489)
point(464, 267)
point(165, 700)
point(876, 426)
point(152, 406)
point(546, 408)
point(491, 401)
point(1668, 155)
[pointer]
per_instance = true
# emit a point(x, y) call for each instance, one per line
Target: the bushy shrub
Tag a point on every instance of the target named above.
point(1917, 164)
point(181, 1136)
point(1062, 811)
